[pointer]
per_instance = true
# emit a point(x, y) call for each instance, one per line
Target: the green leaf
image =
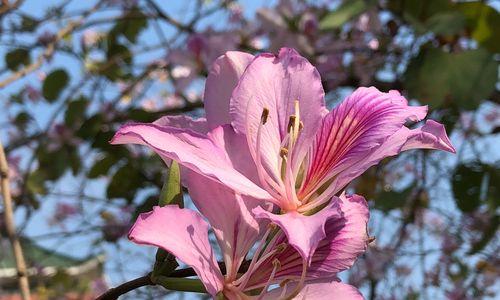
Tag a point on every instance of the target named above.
point(75, 112)
point(16, 58)
point(472, 186)
point(125, 183)
point(464, 78)
point(54, 84)
point(483, 22)
point(130, 25)
point(22, 120)
point(90, 127)
point(447, 23)
point(347, 11)
point(28, 23)
point(171, 192)
point(389, 200)
point(36, 183)
point(102, 166)
point(181, 284)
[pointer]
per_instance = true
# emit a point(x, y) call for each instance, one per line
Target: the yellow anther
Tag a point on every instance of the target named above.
point(291, 122)
point(283, 152)
point(265, 115)
point(281, 247)
point(276, 263)
point(284, 282)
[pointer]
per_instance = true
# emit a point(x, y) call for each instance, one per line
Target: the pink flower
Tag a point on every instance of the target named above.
point(270, 137)
point(273, 262)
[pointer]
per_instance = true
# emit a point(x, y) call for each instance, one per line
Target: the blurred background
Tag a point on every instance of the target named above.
point(72, 72)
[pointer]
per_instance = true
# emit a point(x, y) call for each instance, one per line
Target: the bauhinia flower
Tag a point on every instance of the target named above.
point(267, 135)
point(184, 233)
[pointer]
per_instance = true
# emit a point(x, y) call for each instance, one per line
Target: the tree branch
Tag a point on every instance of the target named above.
point(11, 227)
point(126, 287)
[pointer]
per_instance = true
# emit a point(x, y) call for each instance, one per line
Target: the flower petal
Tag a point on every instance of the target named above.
point(275, 82)
point(360, 126)
point(183, 233)
point(228, 214)
point(182, 121)
point(430, 136)
point(345, 239)
point(319, 290)
point(303, 232)
point(204, 154)
point(221, 81)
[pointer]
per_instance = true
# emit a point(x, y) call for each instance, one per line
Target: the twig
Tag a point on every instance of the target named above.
point(126, 287)
point(48, 51)
point(11, 227)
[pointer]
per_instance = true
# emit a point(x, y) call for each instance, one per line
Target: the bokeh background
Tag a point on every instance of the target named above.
point(71, 72)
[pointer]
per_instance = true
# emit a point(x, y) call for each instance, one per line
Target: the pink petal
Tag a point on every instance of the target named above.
point(228, 214)
point(221, 81)
point(319, 290)
point(204, 154)
point(275, 82)
point(184, 233)
point(303, 232)
point(430, 136)
point(182, 121)
point(346, 238)
point(351, 134)
point(344, 241)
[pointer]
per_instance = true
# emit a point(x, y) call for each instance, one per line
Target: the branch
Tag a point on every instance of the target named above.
point(11, 227)
point(48, 51)
point(126, 287)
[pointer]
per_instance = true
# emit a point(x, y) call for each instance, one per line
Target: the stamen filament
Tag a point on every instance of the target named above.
point(276, 266)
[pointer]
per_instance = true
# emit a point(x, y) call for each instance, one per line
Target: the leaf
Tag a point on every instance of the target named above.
point(90, 127)
point(75, 113)
point(475, 184)
point(171, 192)
point(464, 78)
point(125, 183)
point(483, 22)
point(347, 11)
point(389, 200)
point(447, 23)
point(36, 183)
point(54, 84)
point(22, 120)
point(102, 166)
point(16, 58)
point(130, 25)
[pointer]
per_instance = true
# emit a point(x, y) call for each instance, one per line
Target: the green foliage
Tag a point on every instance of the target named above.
point(75, 112)
point(125, 183)
point(464, 79)
point(17, 58)
point(171, 192)
point(475, 184)
point(387, 201)
point(54, 84)
point(483, 22)
point(346, 12)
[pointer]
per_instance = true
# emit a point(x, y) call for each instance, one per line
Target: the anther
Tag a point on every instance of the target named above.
point(283, 152)
point(284, 282)
point(276, 263)
point(291, 122)
point(301, 125)
point(264, 116)
point(280, 248)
